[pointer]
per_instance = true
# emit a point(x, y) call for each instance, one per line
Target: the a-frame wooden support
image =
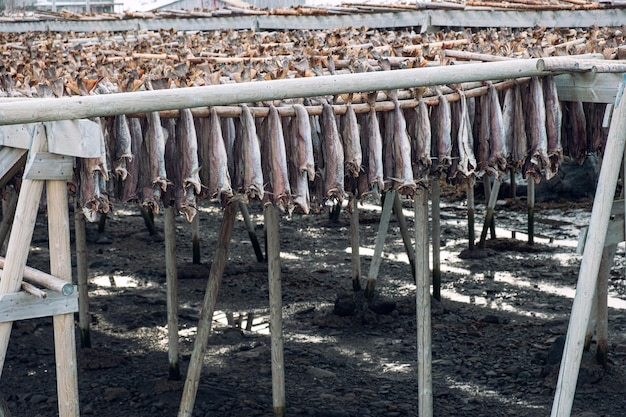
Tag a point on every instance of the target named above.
point(590, 265)
point(52, 170)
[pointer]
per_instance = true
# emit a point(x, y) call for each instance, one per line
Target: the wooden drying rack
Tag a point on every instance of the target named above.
point(47, 147)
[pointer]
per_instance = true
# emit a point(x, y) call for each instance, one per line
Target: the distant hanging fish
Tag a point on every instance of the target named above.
point(375, 152)
point(333, 155)
point(188, 145)
point(444, 133)
point(405, 183)
point(251, 156)
point(281, 190)
point(554, 120)
point(423, 138)
point(514, 127)
point(123, 142)
point(497, 142)
point(219, 178)
point(465, 140)
point(351, 143)
point(537, 159)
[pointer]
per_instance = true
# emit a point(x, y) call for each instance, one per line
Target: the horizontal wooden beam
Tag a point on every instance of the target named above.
point(22, 306)
point(82, 107)
point(614, 235)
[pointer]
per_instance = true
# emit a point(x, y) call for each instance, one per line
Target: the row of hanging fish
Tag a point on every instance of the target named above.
point(304, 160)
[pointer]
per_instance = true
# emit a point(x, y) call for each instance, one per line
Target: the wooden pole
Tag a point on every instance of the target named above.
point(602, 309)
point(530, 201)
point(489, 216)
point(422, 299)
point(471, 210)
point(590, 265)
point(251, 232)
point(195, 239)
point(513, 183)
point(8, 213)
point(61, 266)
point(65, 108)
point(276, 316)
point(436, 236)
point(380, 242)
point(82, 278)
point(45, 280)
point(206, 315)
point(404, 232)
point(19, 242)
point(171, 279)
point(355, 241)
point(148, 219)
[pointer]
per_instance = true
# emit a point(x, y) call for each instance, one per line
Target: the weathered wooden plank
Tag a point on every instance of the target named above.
point(21, 306)
point(614, 235)
point(49, 166)
point(588, 87)
point(11, 160)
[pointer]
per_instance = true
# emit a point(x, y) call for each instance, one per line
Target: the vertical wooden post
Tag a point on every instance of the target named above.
point(530, 201)
point(471, 210)
point(171, 279)
point(243, 207)
point(8, 212)
point(82, 278)
point(590, 265)
point(602, 318)
point(19, 241)
point(380, 242)
point(404, 232)
point(61, 267)
point(489, 216)
point(206, 315)
point(488, 193)
point(195, 239)
point(355, 241)
point(276, 316)
point(422, 299)
point(513, 183)
point(436, 236)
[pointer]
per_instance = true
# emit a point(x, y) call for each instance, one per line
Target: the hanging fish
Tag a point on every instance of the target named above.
point(333, 156)
point(497, 142)
point(375, 151)
point(537, 159)
point(402, 151)
point(190, 169)
point(219, 179)
point(302, 168)
point(351, 143)
point(251, 156)
point(123, 143)
point(303, 133)
point(281, 190)
point(133, 166)
point(444, 133)
point(484, 136)
point(203, 132)
point(514, 125)
point(554, 121)
point(465, 140)
point(423, 138)
point(577, 132)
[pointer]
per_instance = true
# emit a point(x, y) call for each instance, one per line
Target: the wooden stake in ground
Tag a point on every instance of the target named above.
point(245, 213)
point(82, 278)
point(590, 265)
point(370, 287)
point(276, 316)
point(171, 279)
point(602, 318)
point(195, 239)
point(436, 233)
point(489, 217)
point(355, 241)
point(422, 299)
point(530, 201)
point(404, 232)
point(206, 315)
point(487, 187)
point(61, 266)
point(471, 210)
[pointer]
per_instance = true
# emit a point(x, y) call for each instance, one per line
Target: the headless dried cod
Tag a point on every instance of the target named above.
point(497, 143)
point(537, 160)
point(374, 152)
point(133, 166)
point(351, 143)
point(301, 158)
point(554, 120)
point(333, 155)
point(252, 171)
point(443, 136)
point(402, 151)
point(484, 136)
point(123, 143)
point(465, 139)
point(219, 179)
point(514, 128)
point(281, 191)
point(422, 142)
point(188, 145)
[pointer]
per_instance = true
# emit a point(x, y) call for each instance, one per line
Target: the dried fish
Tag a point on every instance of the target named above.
point(351, 143)
point(465, 140)
point(484, 136)
point(577, 132)
point(219, 178)
point(303, 133)
point(190, 168)
point(444, 133)
point(133, 166)
point(497, 142)
point(554, 120)
point(514, 128)
point(375, 152)
point(251, 156)
point(333, 155)
point(402, 152)
point(281, 190)
point(123, 143)
point(423, 137)
point(537, 159)
point(155, 141)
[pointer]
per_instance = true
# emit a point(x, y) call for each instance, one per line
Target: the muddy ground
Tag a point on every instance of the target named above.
point(494, 332)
